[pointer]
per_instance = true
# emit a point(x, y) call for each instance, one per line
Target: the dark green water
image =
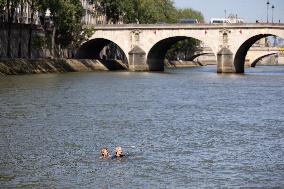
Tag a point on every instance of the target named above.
point(185, 128)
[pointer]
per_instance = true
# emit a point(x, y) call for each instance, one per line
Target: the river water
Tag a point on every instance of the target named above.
point(184, 128)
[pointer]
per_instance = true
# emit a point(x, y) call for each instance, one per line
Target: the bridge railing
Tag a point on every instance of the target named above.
point(179, 25)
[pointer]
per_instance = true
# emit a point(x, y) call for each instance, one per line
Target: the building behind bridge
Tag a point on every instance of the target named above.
point(92, 14)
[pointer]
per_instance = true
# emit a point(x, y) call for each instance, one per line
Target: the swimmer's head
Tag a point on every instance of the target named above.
point(118, 152)
point(104, 153)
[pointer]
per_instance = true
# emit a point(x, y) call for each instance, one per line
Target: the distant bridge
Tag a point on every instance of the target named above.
point(254, 55)
point(145, 46)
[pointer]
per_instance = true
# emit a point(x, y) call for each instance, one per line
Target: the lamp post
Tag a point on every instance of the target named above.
point(267, 4)
point(272, 13)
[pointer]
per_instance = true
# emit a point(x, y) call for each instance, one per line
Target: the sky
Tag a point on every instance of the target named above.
point(249, 10)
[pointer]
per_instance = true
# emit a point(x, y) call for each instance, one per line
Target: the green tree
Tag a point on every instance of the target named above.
point(189, 13)
point(167, 12)
point(2, 5)
point(149, 11)
point(183, 49)
point(66, 22)
point(113, 9)
point(142, 11)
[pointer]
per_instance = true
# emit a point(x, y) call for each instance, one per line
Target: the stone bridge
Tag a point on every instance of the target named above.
point(145, 46)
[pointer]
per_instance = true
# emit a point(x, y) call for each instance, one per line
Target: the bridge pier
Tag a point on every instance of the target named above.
point(225, 61)
point(137, 60)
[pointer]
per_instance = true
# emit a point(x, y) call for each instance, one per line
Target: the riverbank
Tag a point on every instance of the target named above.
point(36, 66)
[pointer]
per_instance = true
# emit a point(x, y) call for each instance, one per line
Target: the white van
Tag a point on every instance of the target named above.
point(230, 20)
point(219, 21)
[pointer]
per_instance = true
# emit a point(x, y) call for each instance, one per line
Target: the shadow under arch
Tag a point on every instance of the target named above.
point(253, 64)
point(157, 53)
point(113, 58)
point(240, 56)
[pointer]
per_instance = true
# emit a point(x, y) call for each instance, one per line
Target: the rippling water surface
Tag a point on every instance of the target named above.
point(185, 128)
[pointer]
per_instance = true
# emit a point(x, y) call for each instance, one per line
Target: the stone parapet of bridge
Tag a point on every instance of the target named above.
point(154, 40)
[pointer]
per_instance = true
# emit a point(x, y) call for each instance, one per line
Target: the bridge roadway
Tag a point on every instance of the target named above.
point(145, 46)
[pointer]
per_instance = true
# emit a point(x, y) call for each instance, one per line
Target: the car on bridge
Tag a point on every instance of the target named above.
point(188, 21)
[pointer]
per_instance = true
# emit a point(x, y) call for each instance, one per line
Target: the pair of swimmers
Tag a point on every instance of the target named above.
point(118, 153)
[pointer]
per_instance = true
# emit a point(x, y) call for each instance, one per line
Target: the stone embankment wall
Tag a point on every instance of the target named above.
point(41, 60)
point(20, 35)
point(25, 66)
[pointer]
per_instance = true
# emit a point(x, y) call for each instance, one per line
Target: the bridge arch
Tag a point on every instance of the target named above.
point(93, 48)
point(242, 50)
point(253, 64)
point(157, 53)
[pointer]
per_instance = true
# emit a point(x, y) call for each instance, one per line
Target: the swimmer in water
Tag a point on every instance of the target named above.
point(118, 152)
point(104, 153)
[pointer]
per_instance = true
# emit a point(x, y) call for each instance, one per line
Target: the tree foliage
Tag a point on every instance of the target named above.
point(145, 11)
point(142, 11)
point(68, 21)
point(112, 9)
point(2, 5)
point(182, 50)
point(189, 13)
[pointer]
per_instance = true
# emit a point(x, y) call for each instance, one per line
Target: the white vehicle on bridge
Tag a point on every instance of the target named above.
point(219, 21)
point(226, 20)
